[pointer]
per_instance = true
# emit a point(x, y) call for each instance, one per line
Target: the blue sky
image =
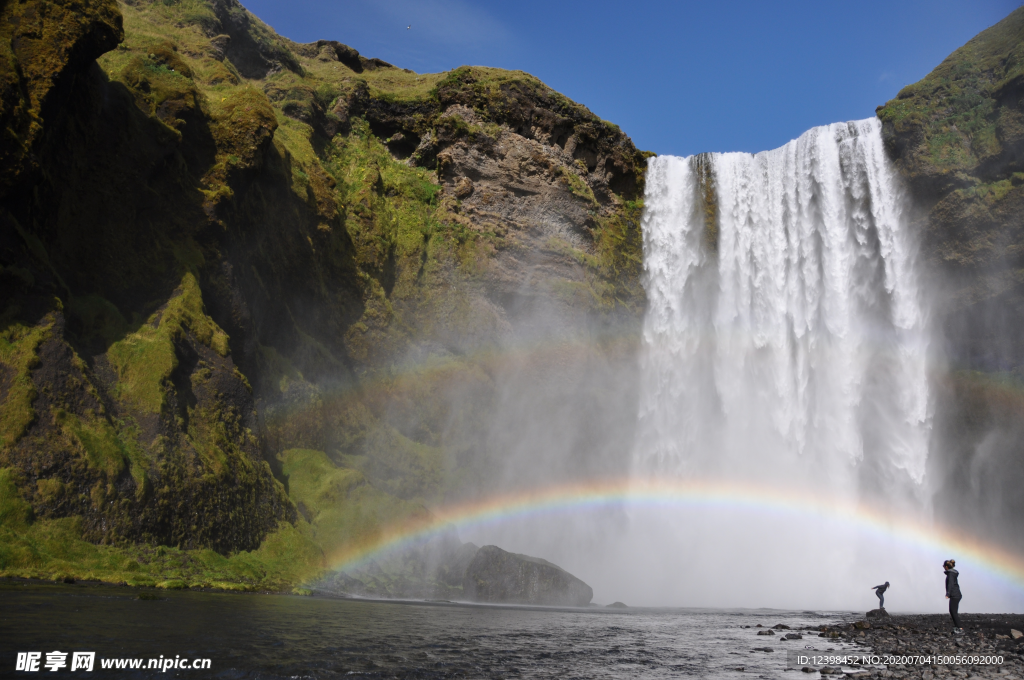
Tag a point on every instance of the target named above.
point(678, 77)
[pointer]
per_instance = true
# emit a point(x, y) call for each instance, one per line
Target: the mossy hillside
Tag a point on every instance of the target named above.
point(420, 260)
point(54, 549)
point(251, 200)
point(35, 49)
point(344, 509)
point(955, 120)
point(86, 451)
point(189, 476)
point(18, 346)
point(405, 105)
point(415, 434)
point(521, 102)
point(958, 138)
point(166, 450)
point(108, 448)
point(349, 514)
point(145, 359)
point(958, 135)
point(501, 95)
point(96, 229)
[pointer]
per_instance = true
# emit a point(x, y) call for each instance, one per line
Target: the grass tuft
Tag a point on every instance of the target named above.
point(18, 346)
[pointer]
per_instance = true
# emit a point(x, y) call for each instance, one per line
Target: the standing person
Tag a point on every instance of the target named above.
point(880, 591)
point(953, 594)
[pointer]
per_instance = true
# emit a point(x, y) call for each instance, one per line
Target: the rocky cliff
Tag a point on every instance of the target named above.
point(260, 299)
point(958, 138)
point(264, 296)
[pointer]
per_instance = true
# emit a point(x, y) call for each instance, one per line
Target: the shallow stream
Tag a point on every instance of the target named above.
point(282, 636)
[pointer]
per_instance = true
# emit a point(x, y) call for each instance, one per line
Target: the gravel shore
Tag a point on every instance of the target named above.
point(930, 636)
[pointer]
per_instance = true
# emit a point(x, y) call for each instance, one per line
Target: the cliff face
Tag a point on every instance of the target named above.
point(958, 138)
point(260, 299)
point(234, 267)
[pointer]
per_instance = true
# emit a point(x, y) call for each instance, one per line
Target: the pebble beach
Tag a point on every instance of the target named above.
point(991, 646)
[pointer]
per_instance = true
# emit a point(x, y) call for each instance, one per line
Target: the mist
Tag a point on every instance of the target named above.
point(790, 346)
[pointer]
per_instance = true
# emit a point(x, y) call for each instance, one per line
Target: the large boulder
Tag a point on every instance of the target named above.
point(453, 570)
point(498, 576)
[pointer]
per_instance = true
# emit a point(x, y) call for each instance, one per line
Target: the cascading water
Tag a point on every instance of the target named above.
point(781, 450)
point(785, 346)
point(786, 334)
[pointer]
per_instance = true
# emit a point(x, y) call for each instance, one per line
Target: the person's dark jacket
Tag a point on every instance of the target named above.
point(952, 587)
point(882, 588)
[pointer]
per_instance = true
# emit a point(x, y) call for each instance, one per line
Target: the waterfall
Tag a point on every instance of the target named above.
point(786, 336)
point(781, 450)
point(785, 352)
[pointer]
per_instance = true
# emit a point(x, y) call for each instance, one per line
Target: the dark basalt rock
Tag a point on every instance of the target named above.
point(877, 614)
point(930, 635)
point(498, 576)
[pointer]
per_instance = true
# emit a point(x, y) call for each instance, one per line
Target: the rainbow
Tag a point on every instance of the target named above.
point(707, 494)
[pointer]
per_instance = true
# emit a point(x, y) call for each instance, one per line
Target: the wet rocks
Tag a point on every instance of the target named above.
point(986, 636)
point(431, 570)
point(769, 631)
point(495, 575)
point(877, 614)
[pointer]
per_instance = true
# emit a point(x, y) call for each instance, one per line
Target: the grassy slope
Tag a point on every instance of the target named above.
point(953, 117)
point(958, 135)
point(410, 260)
point(958, 138)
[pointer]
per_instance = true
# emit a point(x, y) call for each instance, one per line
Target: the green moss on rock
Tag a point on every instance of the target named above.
point(35, 548)
point(344, 510)
point(145, 359)
point(955, 119)
point(105, 449)
point(233, 219)
point(18, 346)
point(958, 138)
point(39, 41)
